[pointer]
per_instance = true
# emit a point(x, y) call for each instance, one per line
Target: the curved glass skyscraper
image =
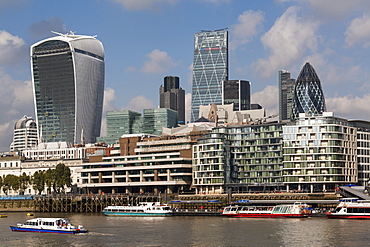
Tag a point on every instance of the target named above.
point(308, 95)
point(68, 84)
point(210, 69)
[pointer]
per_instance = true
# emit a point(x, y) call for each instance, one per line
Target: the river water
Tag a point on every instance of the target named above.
point(191, 231)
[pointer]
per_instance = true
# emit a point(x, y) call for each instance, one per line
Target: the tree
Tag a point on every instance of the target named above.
point(50, 178)
point(10, 181)
point(38, 181)
point(24, 182)
point(62, 178)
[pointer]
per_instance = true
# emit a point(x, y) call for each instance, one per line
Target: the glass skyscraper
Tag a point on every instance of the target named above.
point(237, 92)
point(286, 91)
point(68, 85)
point(172, 96)
point(308, 95)
point(210, 68)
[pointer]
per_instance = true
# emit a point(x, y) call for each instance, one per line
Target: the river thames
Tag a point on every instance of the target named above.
point(191, 231)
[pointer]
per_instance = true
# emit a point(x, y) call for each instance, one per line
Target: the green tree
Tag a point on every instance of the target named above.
point(38, 181)
point(10, 181)
point(24, 182)
point(50, 180)
point(62, 178)
point(6, 184)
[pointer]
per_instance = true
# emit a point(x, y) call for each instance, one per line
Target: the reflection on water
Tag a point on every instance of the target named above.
point(191, 231)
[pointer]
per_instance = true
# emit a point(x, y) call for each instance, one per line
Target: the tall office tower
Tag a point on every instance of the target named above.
point(173, 97)
point(286, 90)
point(237, 92)
point(210, 68)
point(308, 95)
point(68, 80)
point(25, 134)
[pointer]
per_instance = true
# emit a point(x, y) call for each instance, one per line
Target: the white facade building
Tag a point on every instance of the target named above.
point(25, 134)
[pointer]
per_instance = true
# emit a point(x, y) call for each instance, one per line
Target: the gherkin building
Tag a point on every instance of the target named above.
point(308, 95)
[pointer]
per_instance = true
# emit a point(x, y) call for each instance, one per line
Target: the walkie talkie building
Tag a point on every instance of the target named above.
point(68, 85)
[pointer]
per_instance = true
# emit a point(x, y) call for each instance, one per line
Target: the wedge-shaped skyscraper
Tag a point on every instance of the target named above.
point(68, 86)
point(308, 95)
point(210, 69)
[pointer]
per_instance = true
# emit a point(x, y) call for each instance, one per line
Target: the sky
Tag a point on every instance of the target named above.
point(146, 40)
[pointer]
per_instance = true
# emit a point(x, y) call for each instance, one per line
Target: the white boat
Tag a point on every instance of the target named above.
point(350, 208)
point(48, 225)
point(296, 210)
point(143, 209)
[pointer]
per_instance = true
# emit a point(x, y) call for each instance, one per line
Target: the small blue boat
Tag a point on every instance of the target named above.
point(49, 225)
point(143, 209)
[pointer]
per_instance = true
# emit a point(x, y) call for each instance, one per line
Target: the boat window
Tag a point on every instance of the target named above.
point(140, 210)
point(337, 209)
point(367, 210)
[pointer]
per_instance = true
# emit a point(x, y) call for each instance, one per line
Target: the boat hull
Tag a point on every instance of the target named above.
point(136, 214)
point(348, 216)
point(23, 229)
point(268, 215)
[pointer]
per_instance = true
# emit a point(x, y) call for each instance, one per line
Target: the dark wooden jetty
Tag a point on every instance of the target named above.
point(89, 203)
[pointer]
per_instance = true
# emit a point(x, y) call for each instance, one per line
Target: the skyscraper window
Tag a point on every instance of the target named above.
point(308, 95)
point(68, 79)
point(210, 68)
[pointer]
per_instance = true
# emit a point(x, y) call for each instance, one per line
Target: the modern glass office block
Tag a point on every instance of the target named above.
point(68, 79)
point(210, 68)
point(308, 95)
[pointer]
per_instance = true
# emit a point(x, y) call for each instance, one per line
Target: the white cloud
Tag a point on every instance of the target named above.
point(336, 9)
point(268, 99)
point(108, 105)
point(159, 62)
point(332, 9)
point(139, 103)
point(16, 100)
point(359, 31)
point(351, 107)
point(288, 41)
point(247, 27)
point(143, 4)
point(11, 48)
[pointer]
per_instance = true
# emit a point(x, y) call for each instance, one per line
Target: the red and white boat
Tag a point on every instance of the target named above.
point(296, 210)
point(350, 208)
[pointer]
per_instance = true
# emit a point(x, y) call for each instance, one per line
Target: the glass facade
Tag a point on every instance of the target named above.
point(210, 68)
point(68, 80)
point(319, 153)
point(243, 158)
point(238, 93)
point(118, 123)
point(172, 96)
point(286, 90)
point(308, 95)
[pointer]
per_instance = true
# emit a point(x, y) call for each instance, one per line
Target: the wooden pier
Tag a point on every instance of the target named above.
point(86, 203)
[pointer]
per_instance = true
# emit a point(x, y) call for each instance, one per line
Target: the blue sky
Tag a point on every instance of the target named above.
point(145, 40)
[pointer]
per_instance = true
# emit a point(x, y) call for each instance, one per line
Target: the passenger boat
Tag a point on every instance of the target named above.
point(48, 225)
point(296, 210)
point(350, 208)
point(143, 209)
